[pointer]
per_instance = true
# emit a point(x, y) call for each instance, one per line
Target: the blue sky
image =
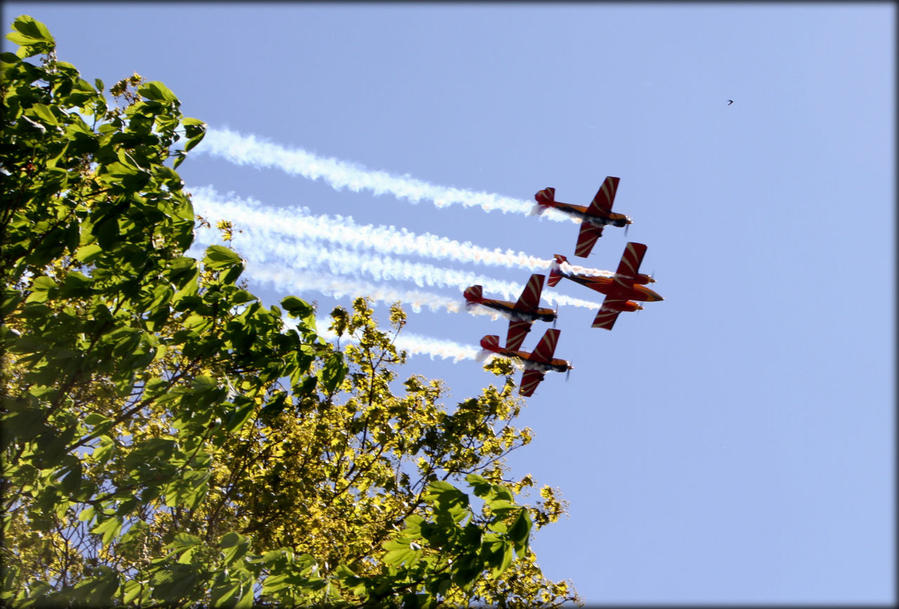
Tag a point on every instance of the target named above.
point(733, 443)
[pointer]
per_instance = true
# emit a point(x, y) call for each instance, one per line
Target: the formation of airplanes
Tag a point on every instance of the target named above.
point(622, 289)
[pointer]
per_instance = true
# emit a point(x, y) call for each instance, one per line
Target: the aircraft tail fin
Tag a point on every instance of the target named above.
point(546, 196)
point(473, 293)
point(555, 274)
point(490, 342)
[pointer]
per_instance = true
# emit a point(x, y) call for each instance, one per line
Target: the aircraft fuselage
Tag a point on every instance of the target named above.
point(508, 309)
point(559, 365)
point(610, 287)
point(580, 211)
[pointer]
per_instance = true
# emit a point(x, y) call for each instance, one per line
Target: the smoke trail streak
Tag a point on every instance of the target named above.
point(338, 287)
point(583, 270)
point(416, 344)
point(265, 250)
point(297, 223)
point(434, 347)
point(248, 150)
point(413, 344)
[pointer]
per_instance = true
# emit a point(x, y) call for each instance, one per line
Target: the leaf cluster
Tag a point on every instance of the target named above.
point(169, 440)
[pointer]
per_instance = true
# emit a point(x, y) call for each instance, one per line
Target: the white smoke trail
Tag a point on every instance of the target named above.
point(297, 223)
point(416, 344)
point(338, 287)
point(265, 250)
point(248, 150)
point(435, 347)
point(413, 344)
point(583, 270)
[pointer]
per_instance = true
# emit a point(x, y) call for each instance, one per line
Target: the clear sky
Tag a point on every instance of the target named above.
point(733, 443)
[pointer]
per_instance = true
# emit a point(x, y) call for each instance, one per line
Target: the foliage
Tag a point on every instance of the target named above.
point(167, 439)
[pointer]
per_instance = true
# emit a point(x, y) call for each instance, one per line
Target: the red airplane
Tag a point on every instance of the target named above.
point(521, 314)
point(536, 364)
point(593, 217)
point(621, 288)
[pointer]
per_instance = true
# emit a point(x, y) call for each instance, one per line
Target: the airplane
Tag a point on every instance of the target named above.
point(593, 217)
point(536, 364)
point(521, 314)
point(621, 288)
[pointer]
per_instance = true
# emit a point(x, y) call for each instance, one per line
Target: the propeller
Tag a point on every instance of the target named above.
point(557, 314)
point(626, 226)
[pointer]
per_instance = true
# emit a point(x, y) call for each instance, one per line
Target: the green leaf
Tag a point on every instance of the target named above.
point(28, 31)
point(195, 130)
point(44, 113)
point(399, 553)
point(296, 307)
point(23, 424)
point(275, 406)
point(246, 601)
point(72, 481)
point(480, 485)
point(520, 529)
point(499, 492)
point(11, 300)
point(135, 532)
point(466, 570)
point(446, 495)
point(219, 257)
point(132, 590)
point(242, 412)
point(413, 524)
point(333, 372)
point(156, 91)
point(505, 561)
point(173, 582)
point(234, 546)
point(222, 595)
point(87, 253)
point(275, 582)
point(86, 514)
point(184, 541)
point(98, 590)
point(40, 289)
point(109, 528)
point(76, 285)
point(500, 506)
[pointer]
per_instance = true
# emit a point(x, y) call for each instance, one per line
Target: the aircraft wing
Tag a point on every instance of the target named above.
point(605, 196)
point(546, 347)
point(529, 381)
point(518, 330)
point(630, 262)
point(530, 296)
point(586, 238)
point(605, 318)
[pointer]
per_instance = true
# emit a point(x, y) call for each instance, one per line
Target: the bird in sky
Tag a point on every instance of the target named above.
point(730, 101)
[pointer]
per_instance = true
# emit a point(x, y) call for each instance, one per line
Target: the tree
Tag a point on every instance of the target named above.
point(167, 439)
